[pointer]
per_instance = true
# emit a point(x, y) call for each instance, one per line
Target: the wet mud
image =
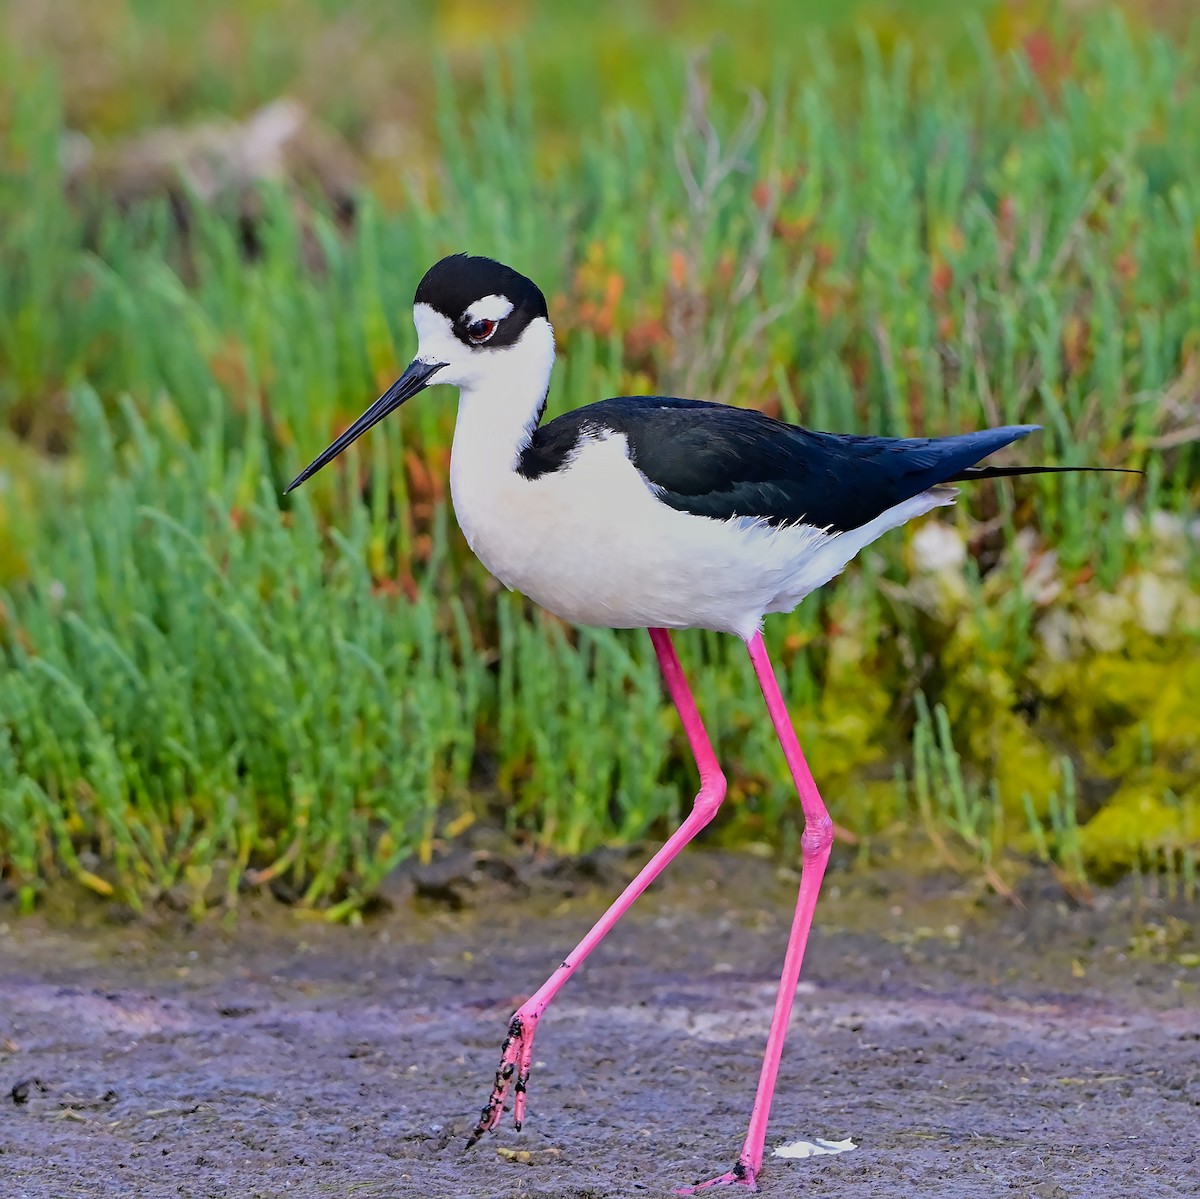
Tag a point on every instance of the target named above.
point(966, 1046)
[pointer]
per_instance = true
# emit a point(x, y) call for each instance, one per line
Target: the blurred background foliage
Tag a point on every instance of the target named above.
point(903, 218)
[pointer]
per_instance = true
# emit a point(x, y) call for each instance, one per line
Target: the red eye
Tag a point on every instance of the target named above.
point(479, 331)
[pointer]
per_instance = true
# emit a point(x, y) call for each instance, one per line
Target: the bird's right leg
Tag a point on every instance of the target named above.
point(516, 1055)
point(815, 844)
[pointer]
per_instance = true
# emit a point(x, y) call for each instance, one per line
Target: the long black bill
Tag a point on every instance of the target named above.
point(414, 379)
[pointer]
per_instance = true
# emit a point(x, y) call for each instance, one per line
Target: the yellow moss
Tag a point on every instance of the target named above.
point(1022, 764)
point(1126, 708)
point(981, 697)
point(870, 805)
point(854, 719)
point(1141, 815)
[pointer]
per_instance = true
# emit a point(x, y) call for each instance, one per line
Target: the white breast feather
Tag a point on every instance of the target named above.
point(592, 543)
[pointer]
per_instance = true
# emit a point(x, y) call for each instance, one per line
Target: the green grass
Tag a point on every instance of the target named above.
point(205, 684)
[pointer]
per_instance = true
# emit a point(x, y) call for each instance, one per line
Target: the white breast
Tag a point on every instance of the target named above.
point(594, 545)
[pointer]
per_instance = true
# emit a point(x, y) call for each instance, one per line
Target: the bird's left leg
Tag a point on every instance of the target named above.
point(815, 844)
point(516, 1055)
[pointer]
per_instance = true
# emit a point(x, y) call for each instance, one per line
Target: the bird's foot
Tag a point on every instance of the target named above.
point(742, 1175)
point(516, 1060)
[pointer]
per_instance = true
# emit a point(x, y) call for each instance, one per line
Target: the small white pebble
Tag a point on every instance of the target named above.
point(817, 1148)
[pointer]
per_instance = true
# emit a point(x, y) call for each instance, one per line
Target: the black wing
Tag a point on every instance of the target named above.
point(714, 460)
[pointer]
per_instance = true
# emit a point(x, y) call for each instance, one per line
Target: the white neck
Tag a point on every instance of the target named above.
point(498, 410)
point(501, 402)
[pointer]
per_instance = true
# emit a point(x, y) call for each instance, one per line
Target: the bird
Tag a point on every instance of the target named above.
point(661, 513)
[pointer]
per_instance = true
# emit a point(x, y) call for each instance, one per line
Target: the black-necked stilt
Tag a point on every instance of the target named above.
point(646, 511)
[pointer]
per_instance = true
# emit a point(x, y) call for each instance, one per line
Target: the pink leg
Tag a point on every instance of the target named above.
point(516, 1055)
point(815, 846)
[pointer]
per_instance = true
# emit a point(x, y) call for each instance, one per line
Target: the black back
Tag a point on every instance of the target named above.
point(452, 285)
point(721, 462)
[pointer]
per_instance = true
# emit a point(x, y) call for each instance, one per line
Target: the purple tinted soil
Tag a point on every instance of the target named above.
point(969, 1048)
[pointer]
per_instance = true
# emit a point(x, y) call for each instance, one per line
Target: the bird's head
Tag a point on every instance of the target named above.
point(481, 326)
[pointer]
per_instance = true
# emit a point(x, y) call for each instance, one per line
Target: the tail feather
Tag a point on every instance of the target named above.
point(973, 473)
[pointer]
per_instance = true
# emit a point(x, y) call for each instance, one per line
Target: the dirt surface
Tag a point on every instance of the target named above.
point(967, 1047)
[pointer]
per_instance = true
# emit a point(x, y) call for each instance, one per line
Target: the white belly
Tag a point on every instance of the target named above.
point(592, 544)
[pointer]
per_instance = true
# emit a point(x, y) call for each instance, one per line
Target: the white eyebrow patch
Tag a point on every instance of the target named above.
point(490, 308)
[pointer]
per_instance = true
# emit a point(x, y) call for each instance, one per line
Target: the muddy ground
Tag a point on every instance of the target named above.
point(969, 1048)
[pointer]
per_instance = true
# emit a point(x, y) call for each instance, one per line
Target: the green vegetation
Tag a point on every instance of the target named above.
point(204, 685)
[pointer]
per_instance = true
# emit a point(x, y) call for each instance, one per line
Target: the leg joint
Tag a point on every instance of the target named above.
point(711, 793)
point(817, 838)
